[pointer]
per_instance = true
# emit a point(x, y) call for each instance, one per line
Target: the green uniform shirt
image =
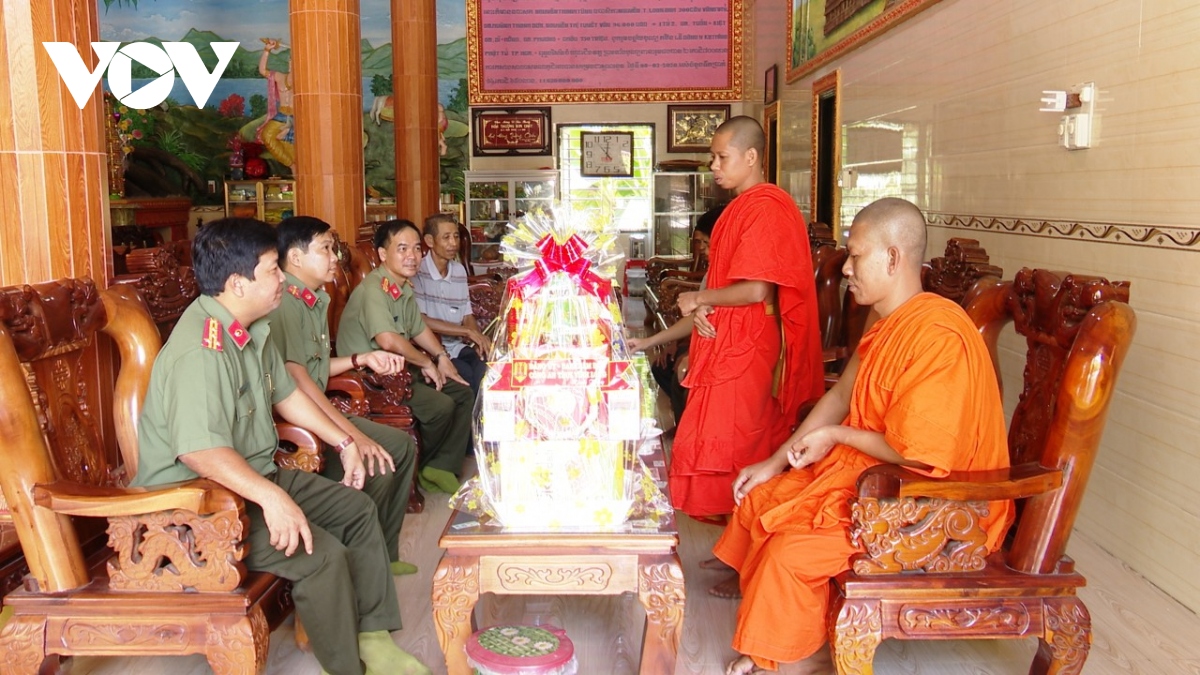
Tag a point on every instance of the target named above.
point(213, 385)
point(300, 329)
point(378, 305)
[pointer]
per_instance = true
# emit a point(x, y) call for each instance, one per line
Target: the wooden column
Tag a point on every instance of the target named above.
point(414, 81)
point(53, 167)
point(327, 88)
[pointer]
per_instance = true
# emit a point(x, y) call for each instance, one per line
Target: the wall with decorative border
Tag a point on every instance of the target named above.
point(943, 111)
point(1124, 234)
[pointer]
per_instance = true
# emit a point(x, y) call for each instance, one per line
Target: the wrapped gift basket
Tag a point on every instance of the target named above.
point(560, 413)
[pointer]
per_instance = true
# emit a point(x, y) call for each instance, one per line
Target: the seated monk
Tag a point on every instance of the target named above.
point(920, 392)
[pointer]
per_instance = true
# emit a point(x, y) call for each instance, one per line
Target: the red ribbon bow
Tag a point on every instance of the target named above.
point(566, 257)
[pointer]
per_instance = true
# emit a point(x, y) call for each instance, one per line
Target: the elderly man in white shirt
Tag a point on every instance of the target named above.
point(441, 291)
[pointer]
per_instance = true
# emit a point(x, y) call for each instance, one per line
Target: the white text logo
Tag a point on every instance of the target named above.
point(179, 57)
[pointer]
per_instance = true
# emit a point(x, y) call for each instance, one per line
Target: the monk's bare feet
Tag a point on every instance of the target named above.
point(714, 564)
point(730, 588)
point(742, 665)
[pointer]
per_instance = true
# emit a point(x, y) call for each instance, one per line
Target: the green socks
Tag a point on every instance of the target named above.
point(383, 657)
point(400, 568)
point(438, 480)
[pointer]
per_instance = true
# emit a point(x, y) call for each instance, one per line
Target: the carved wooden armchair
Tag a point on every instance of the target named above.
point(924, 574)
point(173, 582)
point(678, 274)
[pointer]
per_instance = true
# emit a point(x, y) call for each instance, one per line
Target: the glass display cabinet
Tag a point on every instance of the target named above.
point(496, 198)
point(680, 197)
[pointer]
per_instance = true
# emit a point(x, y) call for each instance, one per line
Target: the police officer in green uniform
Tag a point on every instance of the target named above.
point(300, 329)
point(208, 414)
point(382, 313)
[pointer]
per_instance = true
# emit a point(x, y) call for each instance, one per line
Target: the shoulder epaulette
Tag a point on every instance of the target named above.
point(211, 337)
point(305, 295)
point(391, 289)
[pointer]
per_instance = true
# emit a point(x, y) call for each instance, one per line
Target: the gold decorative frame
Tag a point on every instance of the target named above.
point(691, 127)
point(476, 95)
point(848, 36)
point(510, 131)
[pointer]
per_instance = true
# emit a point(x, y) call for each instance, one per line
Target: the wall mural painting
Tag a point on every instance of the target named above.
point(819, 31)
point(179, 149)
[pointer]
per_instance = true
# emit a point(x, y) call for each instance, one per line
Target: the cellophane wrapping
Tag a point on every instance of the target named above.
point(559, 421)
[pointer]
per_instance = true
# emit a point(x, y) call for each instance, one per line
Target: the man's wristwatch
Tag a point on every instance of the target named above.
point(354, 360)
point(438, 356)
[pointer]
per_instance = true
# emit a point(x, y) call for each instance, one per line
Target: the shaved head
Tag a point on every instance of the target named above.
point(895, 222)
point(745, 133)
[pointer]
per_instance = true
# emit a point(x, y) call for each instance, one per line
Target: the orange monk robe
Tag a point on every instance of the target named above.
point(732, 419)
point(925, 380)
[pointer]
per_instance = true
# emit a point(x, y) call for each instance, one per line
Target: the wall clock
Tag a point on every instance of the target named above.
point(606, 153)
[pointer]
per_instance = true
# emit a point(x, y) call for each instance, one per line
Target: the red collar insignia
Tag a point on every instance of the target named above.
point(240, 335)
point(391, 289)
point(211, 337)
point(308, 297)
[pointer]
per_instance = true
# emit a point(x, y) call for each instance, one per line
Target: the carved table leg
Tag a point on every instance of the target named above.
point(22, 645)
point(239, 647)
point(661, 592)
point(1064, 645)
point(455, 592)
point(855, 632)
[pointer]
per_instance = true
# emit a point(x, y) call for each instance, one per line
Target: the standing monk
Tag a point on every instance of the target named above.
point(919, 392)
point(756, 348)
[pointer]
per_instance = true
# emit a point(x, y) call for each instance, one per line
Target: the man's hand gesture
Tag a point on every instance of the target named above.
point(287, 524)
point(382, 362)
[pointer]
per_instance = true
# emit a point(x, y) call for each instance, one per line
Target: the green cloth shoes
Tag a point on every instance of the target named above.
point(438, 480)
point(401, 568)
point(381, 655)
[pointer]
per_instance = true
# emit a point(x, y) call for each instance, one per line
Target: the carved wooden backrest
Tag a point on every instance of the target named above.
point(48, 390)
point(961, 268)
point(166, 285)
point(340, 288)
point(827, 271)
point(1077, 330)
point(820, 236)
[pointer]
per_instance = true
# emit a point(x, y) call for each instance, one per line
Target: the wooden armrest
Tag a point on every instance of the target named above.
point(889, 481)
point(308, 455)
point(77, 499)
point(349, 383)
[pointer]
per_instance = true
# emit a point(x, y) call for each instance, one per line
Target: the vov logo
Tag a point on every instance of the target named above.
point(179, 57)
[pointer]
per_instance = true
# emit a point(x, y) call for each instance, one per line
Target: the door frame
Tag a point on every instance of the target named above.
point(823, 88)
point(772, 173)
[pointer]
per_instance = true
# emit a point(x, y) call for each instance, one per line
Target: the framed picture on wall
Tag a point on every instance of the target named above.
point(692, 126)
point(771, 85)
point(510, 131)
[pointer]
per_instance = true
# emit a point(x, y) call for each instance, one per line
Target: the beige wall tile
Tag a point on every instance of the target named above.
point(943, 110)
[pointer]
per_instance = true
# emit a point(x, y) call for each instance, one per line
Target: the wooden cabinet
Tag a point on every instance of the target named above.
point(496, 198)
point(679, 199)
point(269, 200)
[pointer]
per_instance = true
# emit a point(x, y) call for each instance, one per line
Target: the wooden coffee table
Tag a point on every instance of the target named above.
point(485, 558)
